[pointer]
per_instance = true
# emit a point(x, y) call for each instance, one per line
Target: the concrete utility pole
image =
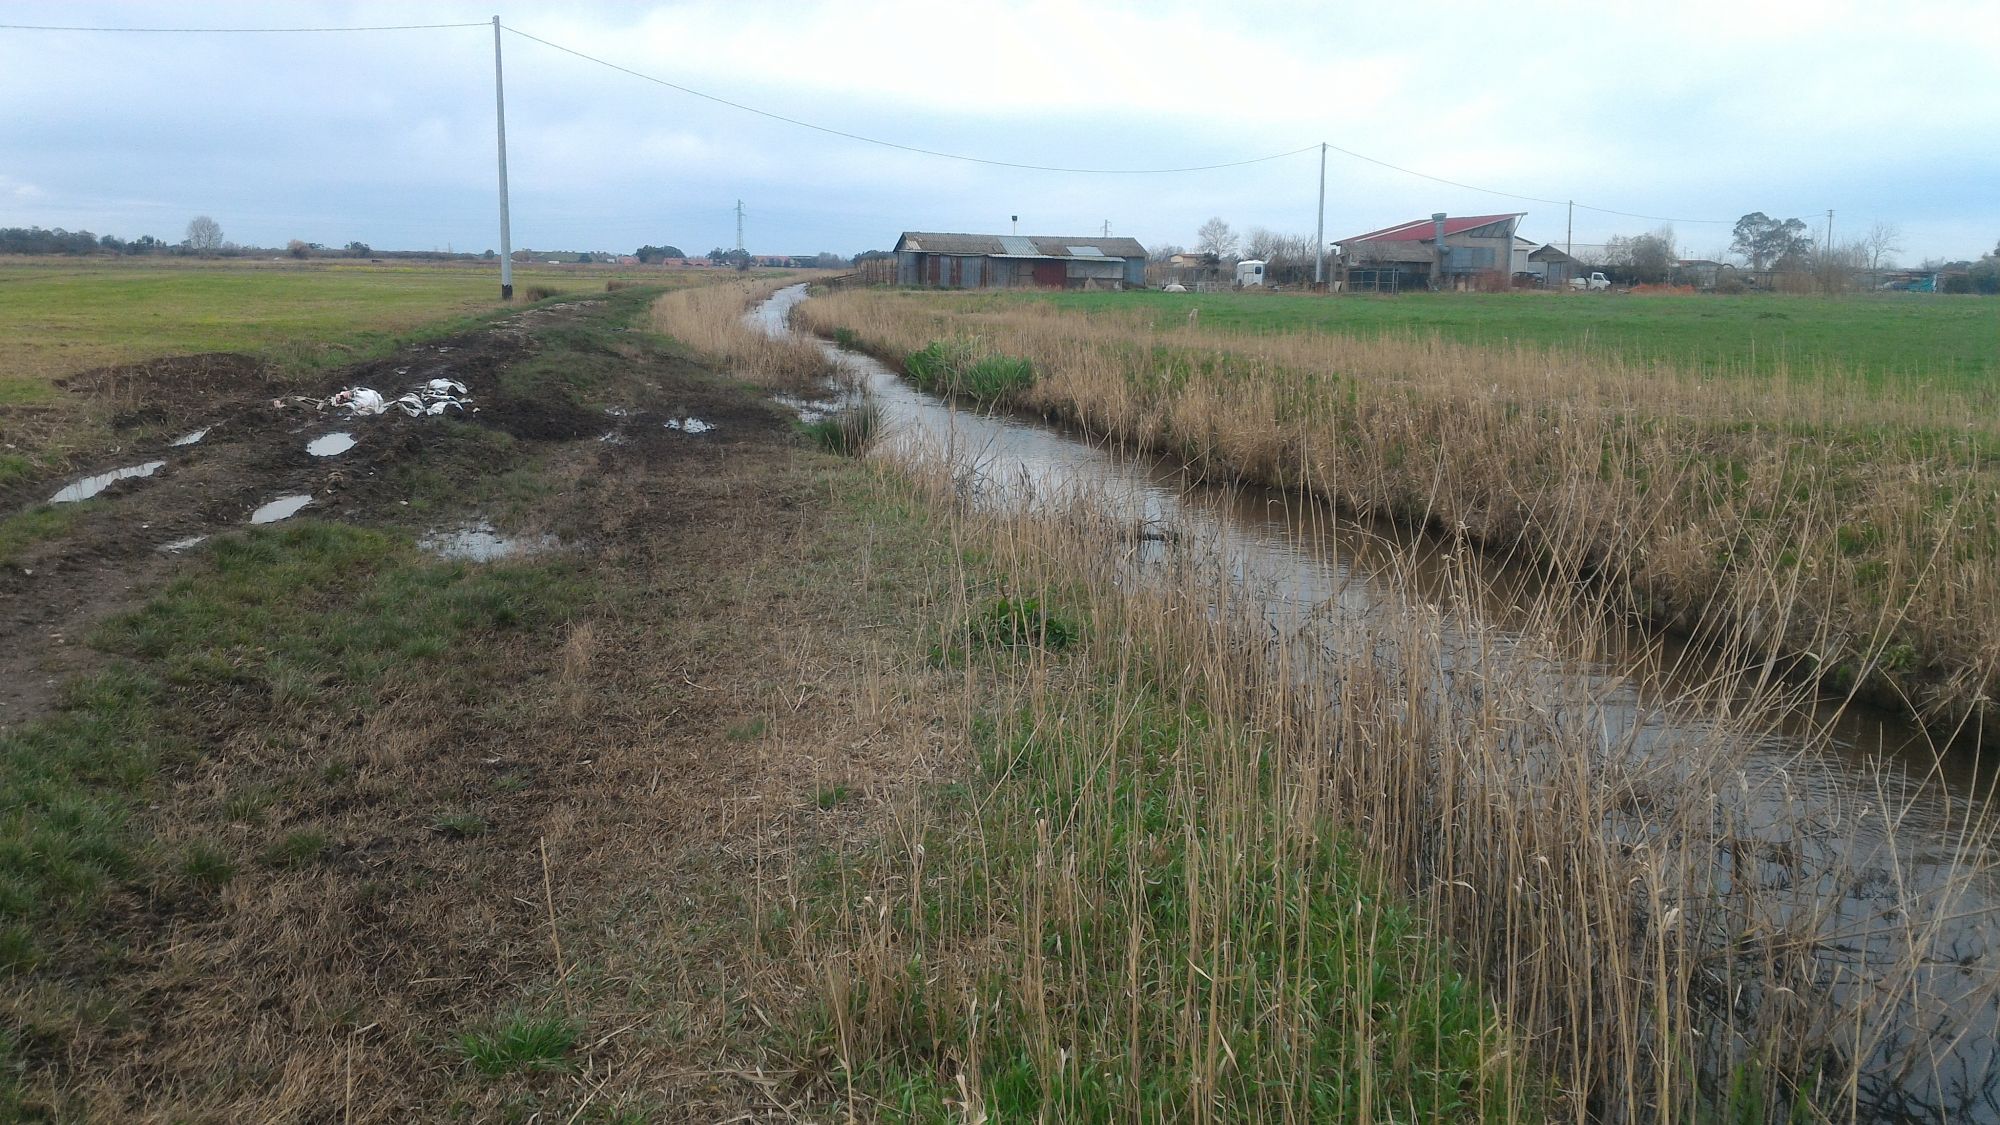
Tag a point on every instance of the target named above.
point(1569, 232)
point(1107, 228)
point(739, 226)
point(500, 120)
point(1828, 252)
point(1319, 229)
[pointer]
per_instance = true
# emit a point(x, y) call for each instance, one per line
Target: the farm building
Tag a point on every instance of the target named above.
point(1001, 261)
point(1438, 252)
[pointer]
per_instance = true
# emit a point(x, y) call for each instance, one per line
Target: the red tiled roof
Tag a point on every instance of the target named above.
point(1423, 230)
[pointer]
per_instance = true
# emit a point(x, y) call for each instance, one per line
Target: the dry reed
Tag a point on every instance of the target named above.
point(709, 319)
point(1668, 922)
point(1852, 532)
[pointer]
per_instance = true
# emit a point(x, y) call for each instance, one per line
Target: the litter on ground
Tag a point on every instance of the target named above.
point(434, 397)
point(689, 425)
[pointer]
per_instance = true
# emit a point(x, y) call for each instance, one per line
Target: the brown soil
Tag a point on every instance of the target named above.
point(638, 774)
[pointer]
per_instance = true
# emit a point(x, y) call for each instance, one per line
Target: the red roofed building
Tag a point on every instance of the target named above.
point(1441, 252)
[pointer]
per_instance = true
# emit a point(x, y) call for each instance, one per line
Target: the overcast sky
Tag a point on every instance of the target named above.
point(1883, 112)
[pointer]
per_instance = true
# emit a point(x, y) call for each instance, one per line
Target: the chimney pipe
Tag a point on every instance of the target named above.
point(1437, 250)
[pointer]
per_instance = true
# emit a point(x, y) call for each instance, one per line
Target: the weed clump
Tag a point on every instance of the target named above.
point(1011, 622)
point(540, 292)
point(519, 1042)
point(955, 367)
point(849, 431)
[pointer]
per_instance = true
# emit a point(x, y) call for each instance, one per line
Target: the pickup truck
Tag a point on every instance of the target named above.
point(1594, 281)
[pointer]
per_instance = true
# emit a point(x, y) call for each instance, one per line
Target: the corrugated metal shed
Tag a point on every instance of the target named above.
point(953, 260)
point(1423, 230)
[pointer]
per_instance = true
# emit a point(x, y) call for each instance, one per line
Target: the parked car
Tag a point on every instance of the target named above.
point(1594, 281)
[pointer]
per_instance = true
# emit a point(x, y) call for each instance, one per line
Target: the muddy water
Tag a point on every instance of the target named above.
point(84, 488)
point(283, 508)
point(330, 445)
point(1907, 847)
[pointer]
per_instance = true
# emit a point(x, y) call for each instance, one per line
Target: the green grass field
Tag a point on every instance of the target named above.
point(60, 316)
point(1950, 339)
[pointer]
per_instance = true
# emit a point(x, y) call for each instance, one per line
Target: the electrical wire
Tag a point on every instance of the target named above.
point(1514, 195)
point(893, 144)
point(240, 30)
point(865, 139)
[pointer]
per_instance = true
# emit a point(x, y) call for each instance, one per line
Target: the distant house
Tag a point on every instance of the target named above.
point(1436, 253)
point(1001, 261)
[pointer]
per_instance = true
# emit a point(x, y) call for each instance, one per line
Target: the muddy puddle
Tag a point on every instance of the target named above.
point(188, 544)
point(192, 438)
point(283, 508)
point(330, 445)
point(83, 488)
point(1322, 577)
point(479, 542)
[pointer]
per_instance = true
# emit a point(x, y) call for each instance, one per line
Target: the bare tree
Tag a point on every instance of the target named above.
point(298, 248)
point(1260, 243)
point(1216, 238)
point(1880, 242)
point(204, 235)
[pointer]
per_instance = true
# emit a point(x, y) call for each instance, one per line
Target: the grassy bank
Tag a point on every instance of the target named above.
point(1884, 339)
point(1847, 531)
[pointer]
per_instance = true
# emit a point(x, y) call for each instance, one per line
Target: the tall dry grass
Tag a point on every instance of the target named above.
point(1852, 532)
point(709, 319)
point(1128, 910)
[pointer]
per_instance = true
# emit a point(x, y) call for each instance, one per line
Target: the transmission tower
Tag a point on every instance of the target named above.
point(739, 225)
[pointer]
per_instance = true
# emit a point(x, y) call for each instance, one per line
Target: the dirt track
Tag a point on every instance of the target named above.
point(647, 757)
point(254, 451)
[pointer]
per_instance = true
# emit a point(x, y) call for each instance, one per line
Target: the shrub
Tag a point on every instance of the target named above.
point(540, 292)
point(1009, 622)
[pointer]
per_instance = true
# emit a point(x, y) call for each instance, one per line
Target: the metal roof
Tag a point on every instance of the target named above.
point(1019, 245)
point(1423, 230)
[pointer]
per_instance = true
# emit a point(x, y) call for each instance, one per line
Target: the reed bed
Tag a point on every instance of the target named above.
point(1215, 865)
point(710, 319)
point(1850, 532)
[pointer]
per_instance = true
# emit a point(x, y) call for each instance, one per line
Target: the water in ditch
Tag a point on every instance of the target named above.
point(1918, 804)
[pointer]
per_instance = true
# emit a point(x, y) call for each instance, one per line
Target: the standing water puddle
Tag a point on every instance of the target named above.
point(479, 542)
point(190, 439)
point(284, 507)
point(87, 487)
point(1316, 574)
point(330, 445)
point(189, 543)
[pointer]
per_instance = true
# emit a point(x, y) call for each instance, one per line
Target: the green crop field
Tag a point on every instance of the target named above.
point(58, 316)
point(1949, 339)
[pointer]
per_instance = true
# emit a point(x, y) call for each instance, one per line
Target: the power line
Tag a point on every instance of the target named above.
point(236, 30)
point(893, 144)
point(865, 139)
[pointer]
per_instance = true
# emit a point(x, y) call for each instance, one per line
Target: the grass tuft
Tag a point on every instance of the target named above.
point(518, 1042)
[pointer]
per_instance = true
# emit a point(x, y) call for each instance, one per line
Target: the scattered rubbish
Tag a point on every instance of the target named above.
point(331, 445)
point(86, 487)
point(284, 507)
point(479, 542)
point(359, 401)
point(616, 411)
point(434, 397)
point(190, 439)
point(184, 544)
point(689, 425)
point(612, 438)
